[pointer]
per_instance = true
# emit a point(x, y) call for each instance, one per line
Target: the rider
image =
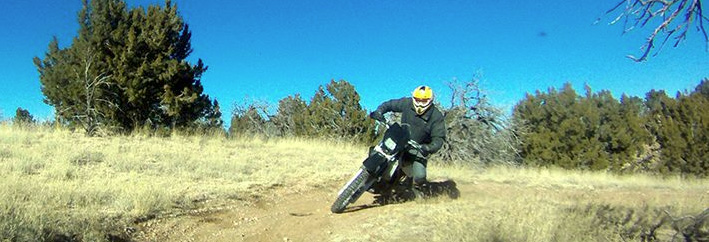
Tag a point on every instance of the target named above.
point(427, 128)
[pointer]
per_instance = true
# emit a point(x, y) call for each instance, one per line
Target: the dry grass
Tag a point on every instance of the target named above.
point(58, 183)
point(62, 185)
point(509, 204)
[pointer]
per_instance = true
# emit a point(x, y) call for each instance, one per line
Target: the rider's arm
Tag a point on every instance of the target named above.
point(438, 136)
point(394, 105)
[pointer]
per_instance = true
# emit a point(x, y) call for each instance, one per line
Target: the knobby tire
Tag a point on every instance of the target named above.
point(346, 197)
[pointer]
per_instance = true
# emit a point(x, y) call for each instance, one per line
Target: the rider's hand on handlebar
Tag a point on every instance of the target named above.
point(414, 144)
point(376, 115)
point(419, 149)
point(415, 149)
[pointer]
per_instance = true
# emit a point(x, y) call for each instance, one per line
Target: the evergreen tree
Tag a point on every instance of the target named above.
point(633, 141)
point(551, 132)
point(693, 125)
point(125, 69)
point(212, 122)
point(665, 128)
point(23, 117)
point(335, 112)
point(352, 120)
point(322, 116)
point(594, 131)
point(532, 127)
point(702, 89)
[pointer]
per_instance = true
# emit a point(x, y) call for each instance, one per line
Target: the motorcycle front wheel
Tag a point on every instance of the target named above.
point(350, 192)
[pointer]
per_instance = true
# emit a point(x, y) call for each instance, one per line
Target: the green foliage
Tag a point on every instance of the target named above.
point(334, 112)
point(23, 117)
point(212, 122)
point(597, 132)
point(250, 120)
point(126, 69)
point(337, 113)
point(681, 128)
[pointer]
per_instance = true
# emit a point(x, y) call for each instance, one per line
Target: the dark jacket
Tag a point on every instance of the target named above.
point(428, 129)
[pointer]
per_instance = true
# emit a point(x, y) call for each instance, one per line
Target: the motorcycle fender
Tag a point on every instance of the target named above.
point(373, 163)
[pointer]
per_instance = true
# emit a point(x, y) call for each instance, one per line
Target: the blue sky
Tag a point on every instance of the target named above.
point(266, 49)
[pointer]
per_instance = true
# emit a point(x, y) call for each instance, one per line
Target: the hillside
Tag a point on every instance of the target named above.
point(62, 186)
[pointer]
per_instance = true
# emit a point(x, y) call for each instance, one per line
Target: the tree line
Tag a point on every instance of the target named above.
point(127, 71)
point(477, 131)
point(595, 131)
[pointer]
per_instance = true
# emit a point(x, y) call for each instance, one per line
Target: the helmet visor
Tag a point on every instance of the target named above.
point(422, 102)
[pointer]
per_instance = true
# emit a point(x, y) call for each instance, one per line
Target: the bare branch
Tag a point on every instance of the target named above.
point(476, 129)
point(643, 11)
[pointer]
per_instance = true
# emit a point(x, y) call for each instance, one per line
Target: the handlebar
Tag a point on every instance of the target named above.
point(415, 144)
point(386, 123)
point(389, 123)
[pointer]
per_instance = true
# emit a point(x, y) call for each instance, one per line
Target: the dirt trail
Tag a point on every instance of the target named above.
point(279, 217)
point(285, 215)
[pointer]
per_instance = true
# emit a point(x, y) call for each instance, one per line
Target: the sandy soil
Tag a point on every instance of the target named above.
point(285, 215)
point(280, 216)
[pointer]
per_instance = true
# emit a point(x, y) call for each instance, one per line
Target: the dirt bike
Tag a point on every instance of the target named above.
point(380, 172)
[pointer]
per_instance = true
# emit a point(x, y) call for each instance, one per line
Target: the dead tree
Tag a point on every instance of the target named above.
point(676, 18)
point(252, 118)
point(91, 118)
point(476, 130)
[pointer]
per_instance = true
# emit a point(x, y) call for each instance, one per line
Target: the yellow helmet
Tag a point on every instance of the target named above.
point(422, 97)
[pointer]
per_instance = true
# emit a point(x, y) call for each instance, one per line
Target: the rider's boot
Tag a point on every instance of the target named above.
point(418, 194)
point(418, 190)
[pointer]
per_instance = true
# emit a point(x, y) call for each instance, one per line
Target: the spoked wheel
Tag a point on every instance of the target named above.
point(350, 192)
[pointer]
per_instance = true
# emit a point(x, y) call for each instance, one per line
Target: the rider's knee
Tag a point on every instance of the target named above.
point(419, 178)
point(419, 171)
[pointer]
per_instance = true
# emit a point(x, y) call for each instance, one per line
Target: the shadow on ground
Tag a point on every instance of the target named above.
point(433, 189)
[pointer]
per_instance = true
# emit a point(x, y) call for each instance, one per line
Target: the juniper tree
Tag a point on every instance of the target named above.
point(664, 126)
point(335, 112)
point(126, 68)
point(634, 141)
point(23, 117)
point(594, 131)
point(680, 127)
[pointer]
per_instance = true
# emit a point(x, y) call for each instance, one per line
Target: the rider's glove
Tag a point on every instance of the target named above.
point(416, 150)
point(376, 115)
point(425, 149)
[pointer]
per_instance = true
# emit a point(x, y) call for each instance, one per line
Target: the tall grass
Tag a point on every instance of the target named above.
point(59, 185)
point(536, 204)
